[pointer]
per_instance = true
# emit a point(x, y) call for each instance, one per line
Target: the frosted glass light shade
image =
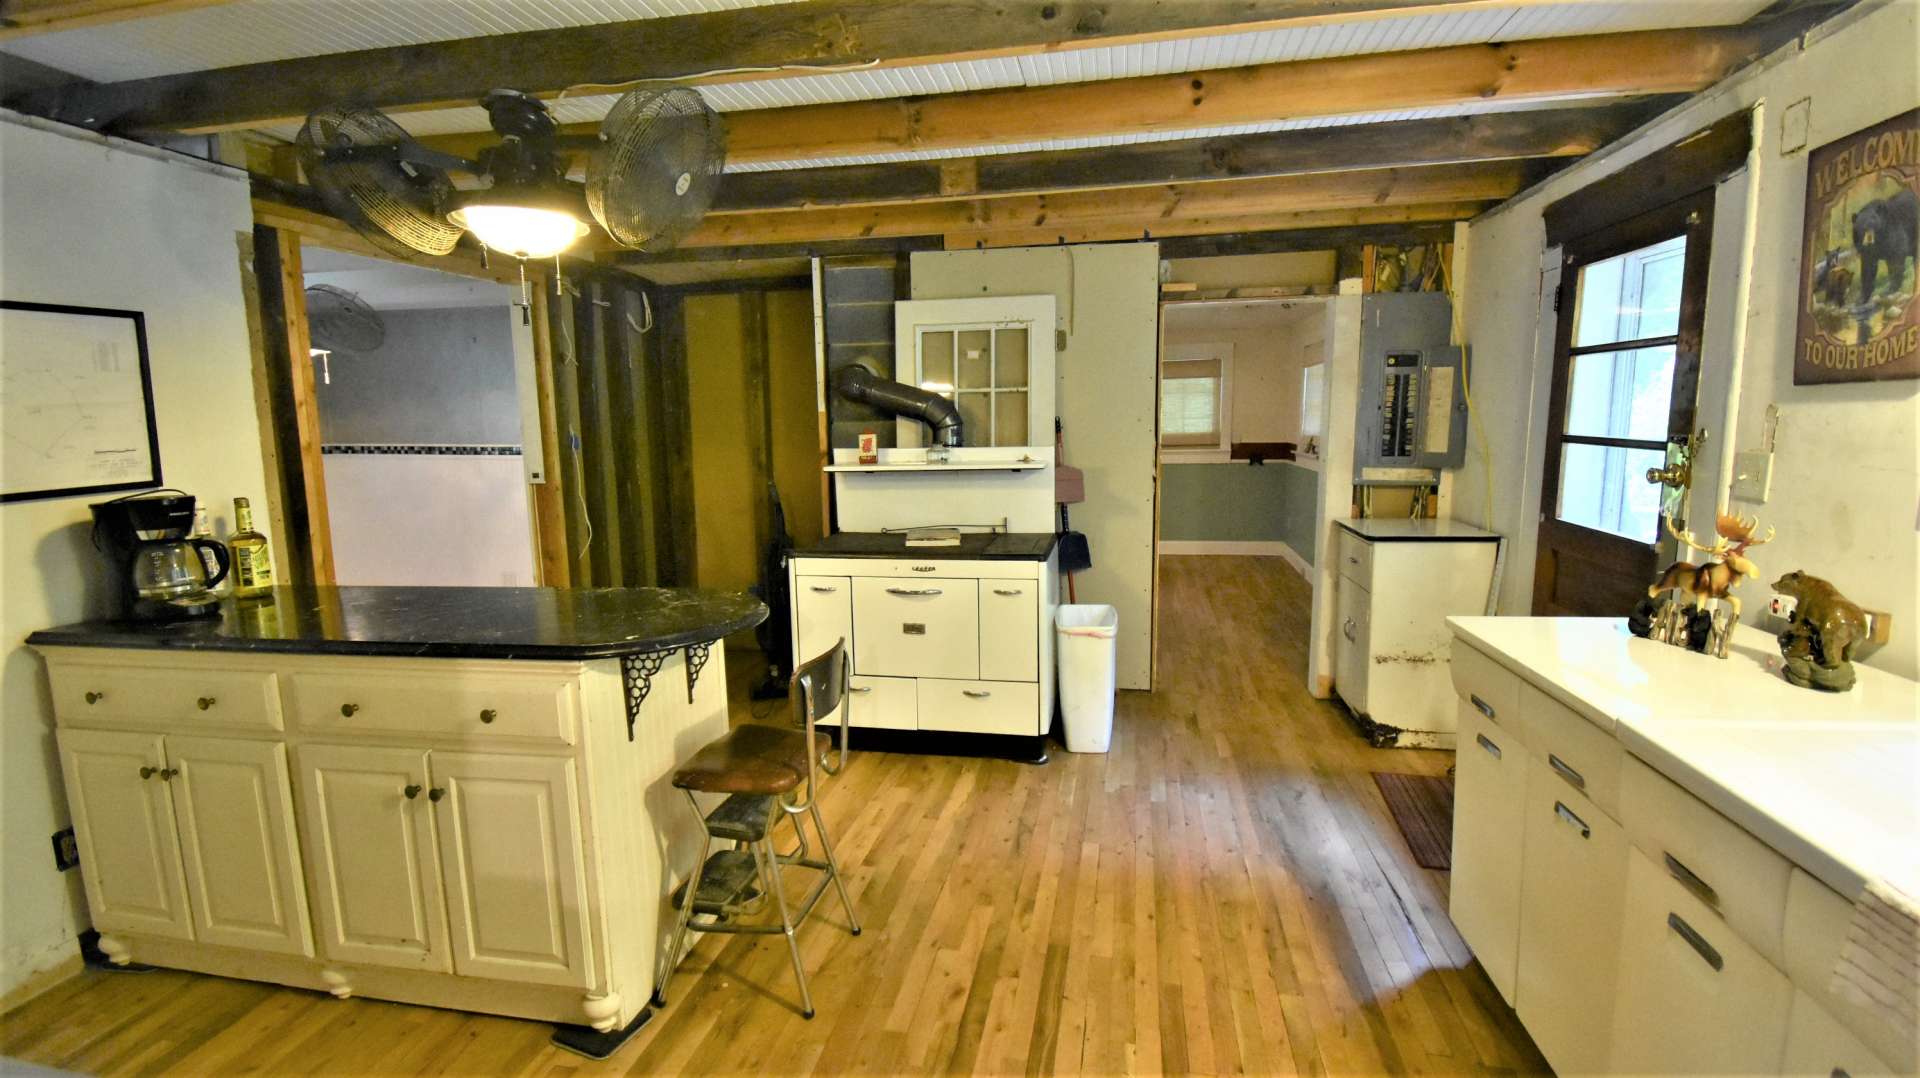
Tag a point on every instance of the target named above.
point(520, 231)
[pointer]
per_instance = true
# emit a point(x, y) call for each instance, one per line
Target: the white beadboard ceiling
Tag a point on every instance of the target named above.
point(251, 31)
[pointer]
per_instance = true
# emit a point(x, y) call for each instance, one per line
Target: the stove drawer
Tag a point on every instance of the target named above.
point(916, 628)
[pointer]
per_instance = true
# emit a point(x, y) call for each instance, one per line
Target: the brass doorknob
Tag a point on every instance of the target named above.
point(488, 714)
point(206, 702)
point(436, 794)
point(347, 710)
point(95, 697)
point(1675, 475)
point(148, 772)
point(412, 791)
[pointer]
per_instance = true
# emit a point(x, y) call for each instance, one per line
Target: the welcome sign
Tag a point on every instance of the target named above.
point(1858, 318)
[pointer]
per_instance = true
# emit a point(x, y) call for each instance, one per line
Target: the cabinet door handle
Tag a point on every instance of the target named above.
point(1488, 745)
point(1568, 815)
point(977, 694)
point(1481, 705)
point(1696, 941)
point(913, 591)
point(412, 791)
point(95, 697)
point(347, 710)
point(1700, 888)
point(167, 773)
point(1008, 591)
point(1353, 561)
point(206, 702)
point(436, 794)
point(860, 688)
point(149, 772)
point(1346, 629)
point(822, 589)
point(924, 568)
point(488, 714)
point(1578, 780)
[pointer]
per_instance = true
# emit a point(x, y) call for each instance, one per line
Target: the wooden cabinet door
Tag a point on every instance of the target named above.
point(234, 806)
point(822, 614)
point(1572, 884)
point(371, 855)
point(510, 849)
point(122, 807)
point(1490, 781)
point(1009, 630)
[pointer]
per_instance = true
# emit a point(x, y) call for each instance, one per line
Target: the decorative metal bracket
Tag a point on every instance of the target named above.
point(697, 655)
point(637, 672)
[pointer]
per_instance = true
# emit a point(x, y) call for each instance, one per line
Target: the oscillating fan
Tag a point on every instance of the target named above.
point(339, 321)
point(651, 173)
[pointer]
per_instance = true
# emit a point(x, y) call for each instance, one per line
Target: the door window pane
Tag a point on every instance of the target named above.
point(936, 361)
point(1010, 358)
point(1010, 417)
point(976, 418)
point(976, 359)
point(1621, 394)
point(1631, 296)
point(1605, 488)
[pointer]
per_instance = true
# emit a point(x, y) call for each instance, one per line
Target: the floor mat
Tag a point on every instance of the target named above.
point(1422, 805)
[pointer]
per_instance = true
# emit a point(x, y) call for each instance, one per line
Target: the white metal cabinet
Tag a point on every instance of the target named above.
point(822, 614)
point(1572, 883)
point(234, 806)
point(122, 805)
point(1353, 606)
point(509, 831)
point(1009, 636)
point(1490, 777)
point(928, 627)
point(1695, 998)
point(978, 707)
point(883, 703)
point(1818, 1046)
point(371, 849)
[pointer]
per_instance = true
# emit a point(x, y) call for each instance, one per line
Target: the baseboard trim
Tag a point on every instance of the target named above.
point(39, 982)
point(1241, 548)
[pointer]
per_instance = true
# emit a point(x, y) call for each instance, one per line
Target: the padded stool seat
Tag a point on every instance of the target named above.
point(750, 759)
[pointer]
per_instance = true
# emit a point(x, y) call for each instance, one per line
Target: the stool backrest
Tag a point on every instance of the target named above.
point(817, 690)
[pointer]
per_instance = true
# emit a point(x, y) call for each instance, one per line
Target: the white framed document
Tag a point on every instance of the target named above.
point(76, 402)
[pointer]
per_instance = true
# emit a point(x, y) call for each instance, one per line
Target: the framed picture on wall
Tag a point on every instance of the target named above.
point(76, 402)
point(1858, 318)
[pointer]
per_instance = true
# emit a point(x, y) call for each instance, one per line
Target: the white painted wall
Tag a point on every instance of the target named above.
point(1270, 350)
point(88, 223)
point(1846, 489)
point(429, 520)
point(1107, 298)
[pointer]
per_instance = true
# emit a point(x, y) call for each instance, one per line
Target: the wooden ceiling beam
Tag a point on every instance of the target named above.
point(1366, 189)
point(1448, 140)
point(1315, 227)
point(733, 45)
point(24, 18)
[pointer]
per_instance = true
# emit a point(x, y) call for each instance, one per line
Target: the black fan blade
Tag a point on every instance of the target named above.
point(369, 172)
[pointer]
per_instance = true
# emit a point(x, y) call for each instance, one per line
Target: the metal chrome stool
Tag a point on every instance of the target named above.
point(762, 768)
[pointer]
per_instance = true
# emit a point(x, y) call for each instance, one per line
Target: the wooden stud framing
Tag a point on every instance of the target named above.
point(24, 18)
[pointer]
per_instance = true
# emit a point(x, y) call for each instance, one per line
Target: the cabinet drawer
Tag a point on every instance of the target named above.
point(1585, 757)
point(916, 628)
point(1486, 686)
point(1695, 998)
point(1818, 919)
point(1731, 872)
point(1356, 557)
point(492, 705)
point(980, 707)
point(147, 696)
point(822, 614)
point(1818, 1046)
point(883, 703)
point(1488, 829)
point(1009, 630)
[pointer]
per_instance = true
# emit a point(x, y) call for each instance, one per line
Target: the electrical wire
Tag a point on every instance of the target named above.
point(618, 87)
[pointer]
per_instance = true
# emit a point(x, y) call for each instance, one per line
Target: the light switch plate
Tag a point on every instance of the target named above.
point(1752, 475)
point(1793, 125)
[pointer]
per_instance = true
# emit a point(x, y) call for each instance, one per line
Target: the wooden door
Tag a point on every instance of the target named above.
point(122, 807)
point(234, 805)
point(1626, 371)
point(510, 848)
point(368, 839)
point(1488, 833)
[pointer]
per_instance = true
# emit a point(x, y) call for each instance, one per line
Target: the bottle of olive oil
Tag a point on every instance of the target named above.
point(252, 566)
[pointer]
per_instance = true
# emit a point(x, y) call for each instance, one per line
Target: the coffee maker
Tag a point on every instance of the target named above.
point(160, 572)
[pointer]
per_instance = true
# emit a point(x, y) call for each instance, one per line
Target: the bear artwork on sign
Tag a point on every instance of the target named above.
point(1859, 321)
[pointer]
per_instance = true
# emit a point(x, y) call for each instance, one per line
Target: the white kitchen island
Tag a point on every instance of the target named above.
point(1657, 854)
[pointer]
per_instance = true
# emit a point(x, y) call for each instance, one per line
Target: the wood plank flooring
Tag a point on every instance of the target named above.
point(1223, 893)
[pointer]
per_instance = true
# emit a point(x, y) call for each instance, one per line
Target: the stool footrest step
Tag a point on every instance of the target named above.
point(741, 818)
point(728, 878)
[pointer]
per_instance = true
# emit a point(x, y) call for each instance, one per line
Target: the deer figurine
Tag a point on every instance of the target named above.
point(1726, 566)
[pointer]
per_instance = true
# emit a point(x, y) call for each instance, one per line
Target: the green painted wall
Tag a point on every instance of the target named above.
point(1239, 503)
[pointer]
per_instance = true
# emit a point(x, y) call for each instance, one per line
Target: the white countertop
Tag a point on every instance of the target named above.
point(1407, 529)
point(1831, 781)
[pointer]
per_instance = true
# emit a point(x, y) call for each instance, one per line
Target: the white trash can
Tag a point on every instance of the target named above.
point(1086, 638)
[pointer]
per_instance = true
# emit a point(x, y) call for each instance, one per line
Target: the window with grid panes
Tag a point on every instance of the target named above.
point(982, 369)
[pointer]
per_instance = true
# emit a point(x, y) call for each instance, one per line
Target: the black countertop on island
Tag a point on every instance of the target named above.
point(459, 623)
point(990, 546)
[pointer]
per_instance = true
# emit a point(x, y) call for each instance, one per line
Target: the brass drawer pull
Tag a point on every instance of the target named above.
point(167, 773)
point(1569, 816)
point(149, 772)
point(206, 702)
point(412, 791)
point(977, 694)
point(95, 697)
point(436, 794)
point(1700, 888)
point(1696, 941)
point(1578, 780)
point(347, 710)
point(913, 591)
point(1483, 707)
point(1488, 745)
point(488, 714)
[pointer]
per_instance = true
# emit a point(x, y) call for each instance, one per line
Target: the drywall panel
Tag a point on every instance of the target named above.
point(441, 519)
point(1107, 306)
point(797, 455)
point(94, 223)
point(440, 377)
point(1846, 484)
point(1238, 502)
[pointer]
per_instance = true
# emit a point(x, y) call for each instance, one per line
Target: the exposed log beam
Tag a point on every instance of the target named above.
point(703, 47)
point(884, 245)
point(1489, 137)
point(1222, 199)
point(22, 18)
point(1118, 229)
point(1305, 239)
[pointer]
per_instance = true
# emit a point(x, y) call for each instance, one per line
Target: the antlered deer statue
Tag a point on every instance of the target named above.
point(1726, 566)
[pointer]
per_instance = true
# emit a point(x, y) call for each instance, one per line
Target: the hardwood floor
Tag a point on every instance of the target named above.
point(1223, 893)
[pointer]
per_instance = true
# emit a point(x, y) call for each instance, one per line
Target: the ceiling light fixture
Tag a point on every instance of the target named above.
point(519, 230)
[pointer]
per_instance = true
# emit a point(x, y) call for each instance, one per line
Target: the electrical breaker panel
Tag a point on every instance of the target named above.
point(1413, 412)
